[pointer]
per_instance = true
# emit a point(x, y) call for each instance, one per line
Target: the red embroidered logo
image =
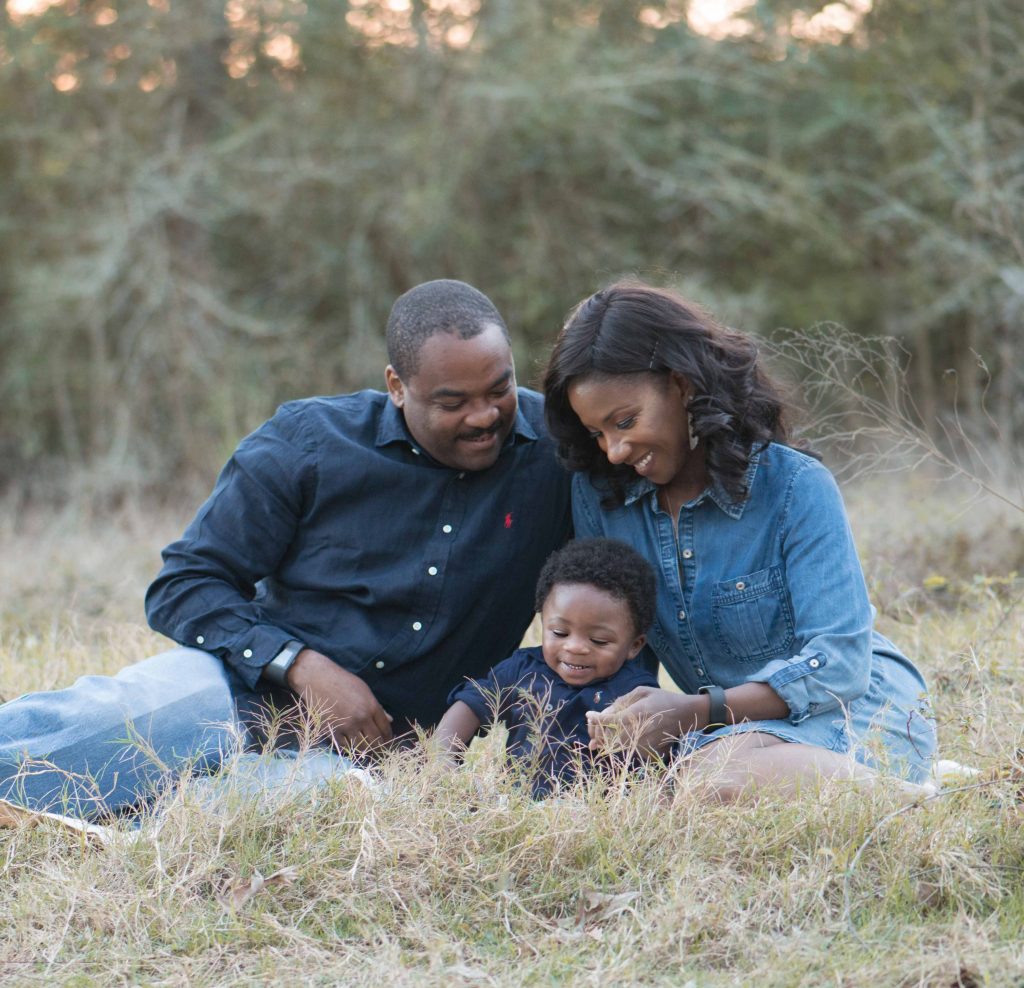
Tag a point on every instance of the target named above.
point(508, 520)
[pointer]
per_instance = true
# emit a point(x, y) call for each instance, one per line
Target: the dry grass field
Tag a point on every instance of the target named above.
point(458, 879)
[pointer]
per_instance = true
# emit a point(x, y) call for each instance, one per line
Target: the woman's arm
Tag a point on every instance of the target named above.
point(457, 728)
point(649, 720)
point(831, 611)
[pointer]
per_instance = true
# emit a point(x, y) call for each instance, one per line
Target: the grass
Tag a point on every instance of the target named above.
point(441, 878)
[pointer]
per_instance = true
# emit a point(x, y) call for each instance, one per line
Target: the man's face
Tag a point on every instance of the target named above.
point(460, 405)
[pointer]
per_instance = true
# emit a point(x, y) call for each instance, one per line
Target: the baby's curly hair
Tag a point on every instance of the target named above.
point(608, 564)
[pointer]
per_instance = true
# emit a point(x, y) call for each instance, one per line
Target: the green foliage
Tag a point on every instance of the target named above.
point(218, 211)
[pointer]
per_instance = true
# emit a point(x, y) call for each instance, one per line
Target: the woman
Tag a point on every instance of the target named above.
point(679, 444)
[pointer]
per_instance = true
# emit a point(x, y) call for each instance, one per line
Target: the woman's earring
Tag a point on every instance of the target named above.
point(694, 439)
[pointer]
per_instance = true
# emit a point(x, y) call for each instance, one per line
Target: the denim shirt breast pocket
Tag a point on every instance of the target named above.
point(753, 616)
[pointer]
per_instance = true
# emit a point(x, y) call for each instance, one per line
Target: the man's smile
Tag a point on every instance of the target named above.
point(485, 438)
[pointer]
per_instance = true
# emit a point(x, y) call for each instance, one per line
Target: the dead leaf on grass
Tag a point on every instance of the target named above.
point(929, 894)
point(238, 894)
point(468, 973)
point(598, 907)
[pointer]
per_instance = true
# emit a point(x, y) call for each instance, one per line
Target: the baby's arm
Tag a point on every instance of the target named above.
point(456, 730)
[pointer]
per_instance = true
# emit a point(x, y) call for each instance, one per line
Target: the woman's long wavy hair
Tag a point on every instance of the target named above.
point(633, 328)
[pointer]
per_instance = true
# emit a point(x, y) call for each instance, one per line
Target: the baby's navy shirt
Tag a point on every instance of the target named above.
point(532, 701)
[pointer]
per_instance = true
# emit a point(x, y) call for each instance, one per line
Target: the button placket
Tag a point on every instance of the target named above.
point(686, 567)
point(438, 553)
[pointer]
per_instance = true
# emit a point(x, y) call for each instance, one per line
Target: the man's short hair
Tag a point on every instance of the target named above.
point(608, 564)
point(442, 306)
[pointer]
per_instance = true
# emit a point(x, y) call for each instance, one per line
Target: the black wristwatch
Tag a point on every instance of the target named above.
point(276, 670)
point(718, 715)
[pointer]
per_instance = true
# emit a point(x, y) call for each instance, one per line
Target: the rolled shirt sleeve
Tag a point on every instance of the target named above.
point(205, 595)
point(832, 616)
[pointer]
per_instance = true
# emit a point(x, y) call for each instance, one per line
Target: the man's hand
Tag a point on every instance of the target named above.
point(345, 704)
point(645, 719)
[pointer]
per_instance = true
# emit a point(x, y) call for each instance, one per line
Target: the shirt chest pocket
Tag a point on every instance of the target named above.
point(752, 614)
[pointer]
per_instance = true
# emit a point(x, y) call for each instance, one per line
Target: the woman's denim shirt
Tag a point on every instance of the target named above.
point(766, 590)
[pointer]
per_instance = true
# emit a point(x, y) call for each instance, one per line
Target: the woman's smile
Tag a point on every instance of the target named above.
point(641, 465)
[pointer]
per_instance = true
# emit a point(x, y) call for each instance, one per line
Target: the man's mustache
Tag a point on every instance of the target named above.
point(480, 433)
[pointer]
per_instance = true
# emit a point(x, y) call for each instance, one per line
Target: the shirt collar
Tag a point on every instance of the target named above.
point(392, 428)
point(733, 507)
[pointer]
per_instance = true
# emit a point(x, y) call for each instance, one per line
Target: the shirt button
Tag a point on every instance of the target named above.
point(417, 625)
point(687, 554)
point(740, 585)
point(379, 663)
point(446, 529)
point(416, 451)
point(432, 571)
point(682, 615)
point(247, 654)
point(814, 663)
point(200, 639)
point(700, 672)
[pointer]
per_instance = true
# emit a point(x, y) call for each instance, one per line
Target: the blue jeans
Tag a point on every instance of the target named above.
point(108, 744)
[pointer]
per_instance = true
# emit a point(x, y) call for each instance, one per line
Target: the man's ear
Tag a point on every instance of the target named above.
point(634, 649)
point(396, 390)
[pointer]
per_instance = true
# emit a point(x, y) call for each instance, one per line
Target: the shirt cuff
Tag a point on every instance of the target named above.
point(788, 677)
point(249, 652)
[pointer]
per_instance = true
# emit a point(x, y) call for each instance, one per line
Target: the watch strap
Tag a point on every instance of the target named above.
point(276, 670)
point(718, 715)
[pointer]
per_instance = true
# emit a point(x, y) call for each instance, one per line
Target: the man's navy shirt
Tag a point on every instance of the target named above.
point(331, 526)
point(534, 702)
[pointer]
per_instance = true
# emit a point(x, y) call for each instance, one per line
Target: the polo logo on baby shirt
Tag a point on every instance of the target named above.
point(508, 520)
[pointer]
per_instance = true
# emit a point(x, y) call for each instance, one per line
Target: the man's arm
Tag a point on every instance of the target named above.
point(203, 596)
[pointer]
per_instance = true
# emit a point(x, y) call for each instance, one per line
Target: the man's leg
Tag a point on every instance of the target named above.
point(106, 743)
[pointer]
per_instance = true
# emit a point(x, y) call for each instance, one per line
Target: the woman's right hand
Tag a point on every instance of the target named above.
point(646, 719)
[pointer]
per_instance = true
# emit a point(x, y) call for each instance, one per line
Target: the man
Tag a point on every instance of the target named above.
point(364, 552)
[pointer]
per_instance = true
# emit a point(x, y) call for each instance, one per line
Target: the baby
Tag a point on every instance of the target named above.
point(596, 601)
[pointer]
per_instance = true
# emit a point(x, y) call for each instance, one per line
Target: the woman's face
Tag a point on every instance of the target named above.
point(637, 419)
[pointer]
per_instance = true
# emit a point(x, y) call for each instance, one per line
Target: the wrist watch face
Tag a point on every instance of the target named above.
point(277, 669)
point(288, 653)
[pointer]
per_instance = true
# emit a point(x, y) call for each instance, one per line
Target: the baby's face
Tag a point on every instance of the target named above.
point(588, 634)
